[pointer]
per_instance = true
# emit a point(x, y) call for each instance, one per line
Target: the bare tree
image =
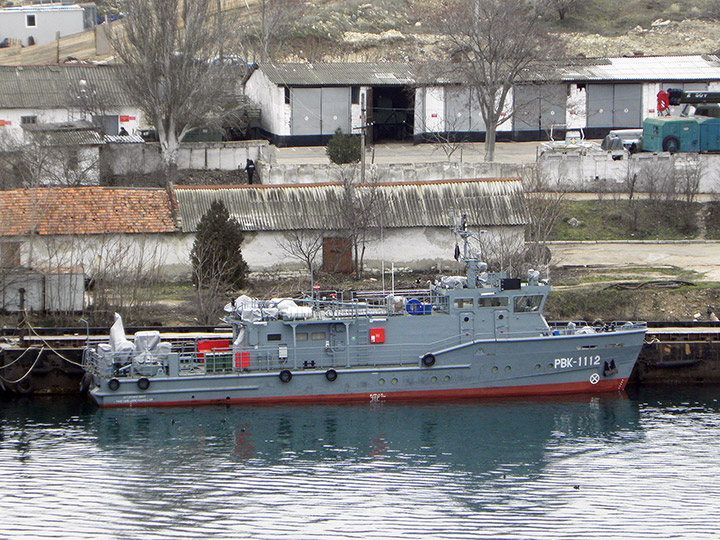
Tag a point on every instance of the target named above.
point(169, 48)
point(561, 7)
point(447, 134)
point(272, 26)
point(211, 291)
point(89, 103)
point(45, 157)
point(658, 181)
point(359, 213)
point(689, 170)
point(544, 207)
point(496, 43)
point(503, 251)
point(303, 245)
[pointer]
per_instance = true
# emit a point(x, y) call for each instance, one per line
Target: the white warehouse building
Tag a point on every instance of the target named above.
point(303, 104)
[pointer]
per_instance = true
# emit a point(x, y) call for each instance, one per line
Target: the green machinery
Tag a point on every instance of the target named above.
point(699, 132)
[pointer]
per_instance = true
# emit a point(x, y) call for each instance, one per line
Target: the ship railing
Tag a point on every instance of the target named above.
point(336, 307)
point(401, 301)
point(187, 360)
point(567, 328)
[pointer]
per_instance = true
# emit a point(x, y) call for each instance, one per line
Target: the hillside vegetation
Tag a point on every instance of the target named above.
point(400, 30)
point(354, 30)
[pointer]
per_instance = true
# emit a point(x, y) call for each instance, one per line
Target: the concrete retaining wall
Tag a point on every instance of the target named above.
point(400, 172)
point(584, 171)
point(144, 158)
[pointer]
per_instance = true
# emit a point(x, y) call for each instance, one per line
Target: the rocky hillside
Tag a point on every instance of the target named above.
point(400, 30)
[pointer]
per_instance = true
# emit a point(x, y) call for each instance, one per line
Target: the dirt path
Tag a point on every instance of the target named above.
point(699, 256)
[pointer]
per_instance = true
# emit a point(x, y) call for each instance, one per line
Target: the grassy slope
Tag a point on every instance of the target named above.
point(612, 220)
point(614, 17)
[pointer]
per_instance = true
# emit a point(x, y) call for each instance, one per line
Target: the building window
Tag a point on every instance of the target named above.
point(287, 95)
point(73, 161)
point(355, 95)
point(28, 120)
point(318, 336)
point(10, 254)
point(30, 21)
point(274, 337)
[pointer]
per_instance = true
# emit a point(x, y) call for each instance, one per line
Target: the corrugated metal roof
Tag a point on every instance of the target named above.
point(124, 139)
point(315, 206)
point(647, 68)
point(637, 68)
point(328, 74)
point(50, 87)
point(65, 134)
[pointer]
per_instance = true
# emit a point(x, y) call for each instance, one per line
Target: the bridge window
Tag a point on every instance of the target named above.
point(301, 336)
point(463, 303)
point(492, 301)
point(318, 336)
point(274, 337)
point(527, 304)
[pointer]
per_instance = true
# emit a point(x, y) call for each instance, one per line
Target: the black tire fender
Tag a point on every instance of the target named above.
point(285, 375)
point(25, 387)
point(331, 375)
point(114, 384)
point(143, 383)
point(428, 360)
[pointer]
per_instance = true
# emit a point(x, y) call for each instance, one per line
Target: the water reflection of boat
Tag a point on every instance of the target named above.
point(473, 435)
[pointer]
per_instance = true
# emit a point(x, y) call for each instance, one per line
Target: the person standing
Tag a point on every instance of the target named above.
point(250, 170)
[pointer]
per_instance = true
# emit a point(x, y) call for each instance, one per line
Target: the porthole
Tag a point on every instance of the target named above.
point(447, 378)
point(550, 366)
point(433, 379)
point(507, 368)
point(394, 381)
point(495, 369)
point(381, 381)
point(538, 366)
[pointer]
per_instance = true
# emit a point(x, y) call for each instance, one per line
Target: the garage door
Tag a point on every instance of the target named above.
point(539, 107)
point(457, 109)
point(335, 107)
point(614, 105)
point(305, 105)
point(462, 111)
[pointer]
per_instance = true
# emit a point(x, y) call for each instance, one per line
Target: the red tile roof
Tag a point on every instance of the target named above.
point(85, 210)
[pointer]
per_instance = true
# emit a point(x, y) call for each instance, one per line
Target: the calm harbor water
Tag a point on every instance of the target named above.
point(644, 464)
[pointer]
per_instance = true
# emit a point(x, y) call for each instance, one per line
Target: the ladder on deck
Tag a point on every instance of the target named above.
point(363, 340)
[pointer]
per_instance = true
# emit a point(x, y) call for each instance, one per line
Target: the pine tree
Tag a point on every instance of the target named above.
point(216, 255)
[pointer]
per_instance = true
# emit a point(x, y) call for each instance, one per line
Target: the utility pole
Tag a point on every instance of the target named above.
point(363, 127)
point(220, 30)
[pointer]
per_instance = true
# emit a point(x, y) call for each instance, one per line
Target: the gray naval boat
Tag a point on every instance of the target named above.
point(478, 335)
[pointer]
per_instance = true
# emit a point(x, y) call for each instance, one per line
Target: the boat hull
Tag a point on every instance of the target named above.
point(478, 369)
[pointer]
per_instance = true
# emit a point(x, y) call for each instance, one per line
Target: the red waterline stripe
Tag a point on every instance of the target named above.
point(611, 385)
